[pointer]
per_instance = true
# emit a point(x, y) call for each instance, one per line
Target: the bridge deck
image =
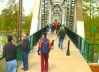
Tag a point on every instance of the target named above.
point(58, 61)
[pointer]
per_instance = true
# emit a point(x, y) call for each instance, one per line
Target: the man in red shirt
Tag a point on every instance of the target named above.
point(57, 27)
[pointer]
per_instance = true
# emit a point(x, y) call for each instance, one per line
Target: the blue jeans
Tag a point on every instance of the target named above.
point(60, 44)
point(57, 31)
point(11, 66)
point(24, 59)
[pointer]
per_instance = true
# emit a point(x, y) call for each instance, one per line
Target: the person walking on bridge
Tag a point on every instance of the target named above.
point(44, 48)
point(61, 36)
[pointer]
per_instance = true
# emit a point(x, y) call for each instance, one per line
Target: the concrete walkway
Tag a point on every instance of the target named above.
point(58, 61)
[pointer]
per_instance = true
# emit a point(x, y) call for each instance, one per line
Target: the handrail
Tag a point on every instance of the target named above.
point(83, 45)
point(86, 48)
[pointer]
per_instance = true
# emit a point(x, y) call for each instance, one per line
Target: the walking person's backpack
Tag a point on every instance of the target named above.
point(44, 46)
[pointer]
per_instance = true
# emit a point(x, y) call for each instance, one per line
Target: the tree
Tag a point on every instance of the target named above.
point(91, 11)
point(9, 17)
point(27, 23)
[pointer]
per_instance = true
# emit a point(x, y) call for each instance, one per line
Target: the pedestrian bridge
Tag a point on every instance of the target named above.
point(77, 61)
point(68, 13)
point(58, 60)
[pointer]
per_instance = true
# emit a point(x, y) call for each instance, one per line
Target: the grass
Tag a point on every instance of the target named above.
point(2, 65)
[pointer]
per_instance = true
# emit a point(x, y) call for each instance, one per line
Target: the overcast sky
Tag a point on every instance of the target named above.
point(27, 4)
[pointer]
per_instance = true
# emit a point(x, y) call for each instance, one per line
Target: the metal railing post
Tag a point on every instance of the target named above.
point(68, 51)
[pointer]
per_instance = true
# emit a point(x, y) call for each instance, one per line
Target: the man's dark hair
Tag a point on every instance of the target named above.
point(9, 38)
point(44, 33)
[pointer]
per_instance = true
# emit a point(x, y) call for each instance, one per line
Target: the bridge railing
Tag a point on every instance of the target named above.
point(33, 41)
point(87, 49)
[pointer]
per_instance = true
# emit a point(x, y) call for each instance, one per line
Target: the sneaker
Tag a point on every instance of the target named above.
point(25, 69)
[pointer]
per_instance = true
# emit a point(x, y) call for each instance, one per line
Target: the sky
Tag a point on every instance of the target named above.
point(27, 4)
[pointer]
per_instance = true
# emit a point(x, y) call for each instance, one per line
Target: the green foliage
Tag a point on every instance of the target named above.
point(3, 40)
point(55, 20)
point(91, 18)
point(9, 17)
point(90, 0)
point(27, 23)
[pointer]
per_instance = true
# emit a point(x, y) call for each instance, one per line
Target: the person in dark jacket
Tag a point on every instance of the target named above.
point(61, 36)
point(9, 52)
point(24, 52)
point(44, 48)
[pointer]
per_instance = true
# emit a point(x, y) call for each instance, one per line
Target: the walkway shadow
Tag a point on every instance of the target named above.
point(32, 64)
point(51, 67)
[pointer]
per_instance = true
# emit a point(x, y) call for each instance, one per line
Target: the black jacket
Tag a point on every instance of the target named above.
point(9, 51)
point(61, 34)
point(25, 45)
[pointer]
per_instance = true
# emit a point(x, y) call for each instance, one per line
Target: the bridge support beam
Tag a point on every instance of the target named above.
point(80, 20)
point(34, 23)
point(50, 14)
point(63, 16)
